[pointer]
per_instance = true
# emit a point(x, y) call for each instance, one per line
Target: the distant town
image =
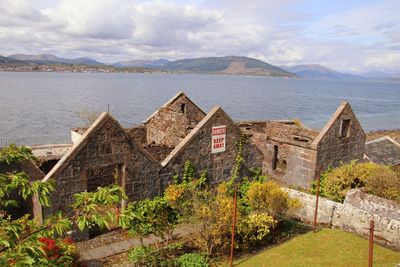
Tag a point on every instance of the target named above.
point(228, 65)
point(75, 68)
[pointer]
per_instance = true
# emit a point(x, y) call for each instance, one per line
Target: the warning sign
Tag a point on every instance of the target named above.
point(218, 139)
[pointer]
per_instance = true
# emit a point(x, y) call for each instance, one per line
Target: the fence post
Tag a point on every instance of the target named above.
point(316, 201)
point(233, 228)
point(371, 243)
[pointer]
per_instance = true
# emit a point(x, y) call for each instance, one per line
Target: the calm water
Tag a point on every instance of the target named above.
point(41, 107)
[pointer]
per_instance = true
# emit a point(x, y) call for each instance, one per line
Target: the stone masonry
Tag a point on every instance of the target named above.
point(173, 121)
point(104, 152)
point(196, 147)
point(335, 144)
point(293, 154)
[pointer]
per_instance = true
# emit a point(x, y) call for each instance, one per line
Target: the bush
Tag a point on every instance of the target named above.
point(385, 183)
point(255, 228)
point(378, 179)
point(268, 197)
point(191, 260)
point(143, 256)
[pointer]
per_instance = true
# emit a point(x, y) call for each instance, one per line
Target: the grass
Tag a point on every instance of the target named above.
point(327, 247)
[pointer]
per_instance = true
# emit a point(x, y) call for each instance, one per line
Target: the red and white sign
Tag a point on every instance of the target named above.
point(218, 139)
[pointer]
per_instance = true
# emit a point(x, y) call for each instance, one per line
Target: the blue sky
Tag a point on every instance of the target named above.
point(351, 36)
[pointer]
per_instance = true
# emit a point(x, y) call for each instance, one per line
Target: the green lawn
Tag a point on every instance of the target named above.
point(327, 247)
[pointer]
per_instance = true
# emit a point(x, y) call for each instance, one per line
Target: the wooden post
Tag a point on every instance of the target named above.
point(233, 228)
point(316, 201)
point(123, 183)
point(371, 243)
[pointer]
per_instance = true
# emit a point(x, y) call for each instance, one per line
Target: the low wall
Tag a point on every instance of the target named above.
point(348, 218)
point(373, 204)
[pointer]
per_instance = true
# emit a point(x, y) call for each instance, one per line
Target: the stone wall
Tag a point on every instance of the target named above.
point(295, 165)
point(196, 147)
point(373, 204)
point(334, 149)
point(290, 161)
point(348, 218)
point(290, 133)
point(103, 151)
point(173, 121)
point(159, 152)
point(138, 134)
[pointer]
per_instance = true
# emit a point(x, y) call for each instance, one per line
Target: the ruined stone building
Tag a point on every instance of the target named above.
point(144, 158)
point(294, 154)
point(105, 154)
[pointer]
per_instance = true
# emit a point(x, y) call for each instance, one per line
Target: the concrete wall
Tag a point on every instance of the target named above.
point(348, 218)
point(170, 124)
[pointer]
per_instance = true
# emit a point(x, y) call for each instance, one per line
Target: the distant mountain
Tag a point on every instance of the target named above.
point(226, 65)
point(142, 63)
point(52, 59)
point(7, 60)
point(315, 71)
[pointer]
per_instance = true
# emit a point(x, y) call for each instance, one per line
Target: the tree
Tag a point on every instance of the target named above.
point(27, 242)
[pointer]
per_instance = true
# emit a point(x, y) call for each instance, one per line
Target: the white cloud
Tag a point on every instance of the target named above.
point(100, 19)
point(364, 37)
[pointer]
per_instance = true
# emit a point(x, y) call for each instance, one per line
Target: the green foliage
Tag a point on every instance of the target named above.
point(191, 260)
point(189, 171)
point(155, 216)
point(97, 208)
point(268, 197)
point(143, 256)
point(25, 242)
point(237, 167)
point(19, 181)
point(151, 256)
point(13, 153)
point(377, 179)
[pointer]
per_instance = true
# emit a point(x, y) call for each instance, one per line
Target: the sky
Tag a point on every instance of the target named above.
point(349, 36)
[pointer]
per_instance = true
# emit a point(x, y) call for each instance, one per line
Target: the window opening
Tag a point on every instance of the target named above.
point(344, 128)
point(275, 158)
point(183, 108)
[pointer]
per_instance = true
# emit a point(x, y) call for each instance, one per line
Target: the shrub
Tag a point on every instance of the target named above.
point(255, 228)
point(143, 256)
point(156, 216)
point(191, 260)
point(268, 197)
point(378, 179)
point(383, 182)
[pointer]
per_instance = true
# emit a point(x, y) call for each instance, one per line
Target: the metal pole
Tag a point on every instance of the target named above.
point(108, 108)
point(371, 243)
point(233, 228)
point(316, 202)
